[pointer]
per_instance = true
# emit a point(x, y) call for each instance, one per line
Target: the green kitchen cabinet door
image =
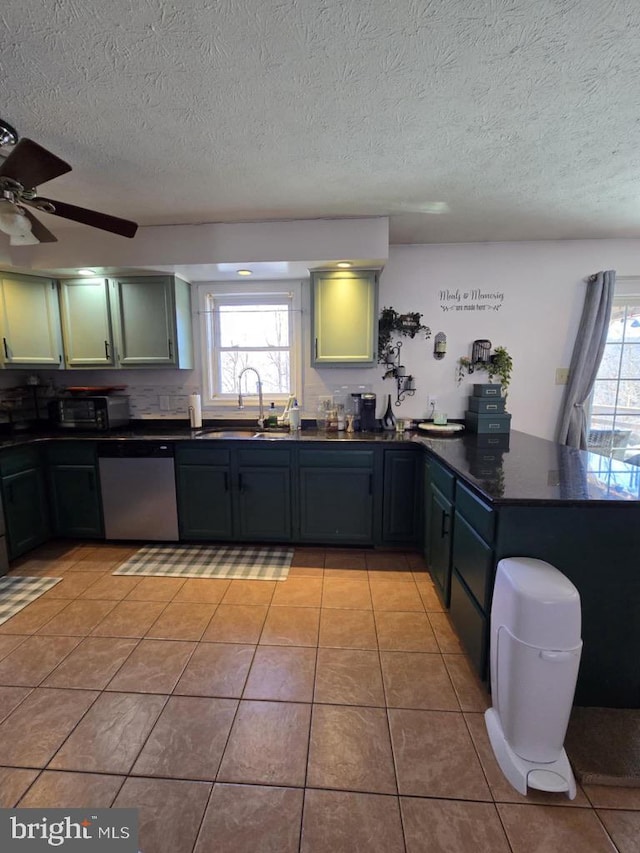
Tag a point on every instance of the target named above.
point(401, 500)
point(336, 505)
point(25, 510)
point(344, 306)
point(29, 322)
point(75, 501)
point(204, 502)
point(440, 542)
point(264, 503)
point(87, 328)
point(152, 321)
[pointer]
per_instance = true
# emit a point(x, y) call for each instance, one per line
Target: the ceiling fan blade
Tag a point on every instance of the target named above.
point(30, 165)
point(42, 234)
point(123, 227)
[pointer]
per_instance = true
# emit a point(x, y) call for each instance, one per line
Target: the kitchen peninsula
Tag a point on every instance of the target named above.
point(469, 505)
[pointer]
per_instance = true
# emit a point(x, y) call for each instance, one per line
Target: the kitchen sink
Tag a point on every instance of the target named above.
point(272, 435)
point(225, 433)
point(241, 433)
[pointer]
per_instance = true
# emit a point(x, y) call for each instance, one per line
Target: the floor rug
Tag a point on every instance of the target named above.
point(18, 591)
point(209, 561)
point(603, 745)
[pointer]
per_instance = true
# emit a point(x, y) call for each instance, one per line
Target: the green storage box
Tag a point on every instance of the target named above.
point(488, 389)
point(487, 405)
point(487, 424)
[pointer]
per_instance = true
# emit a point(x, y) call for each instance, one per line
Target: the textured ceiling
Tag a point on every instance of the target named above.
point(523, 117)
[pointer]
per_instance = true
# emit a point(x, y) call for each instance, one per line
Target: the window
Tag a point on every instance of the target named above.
point(255, 326)
point(614, 426)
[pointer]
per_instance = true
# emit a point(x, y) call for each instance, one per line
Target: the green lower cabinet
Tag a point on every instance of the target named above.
point(440, 524)
point(204, 502)
point(25, 510)
point(75, 501)
point(74, 491)
point(264, 503)
point(336, 505)
point(401, 498)
point(470, 622)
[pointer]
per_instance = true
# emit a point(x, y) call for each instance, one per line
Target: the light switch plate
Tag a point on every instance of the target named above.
point(562, 375)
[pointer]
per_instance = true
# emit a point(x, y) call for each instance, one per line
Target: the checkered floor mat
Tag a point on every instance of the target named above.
point(209, 561)
point(17, 592)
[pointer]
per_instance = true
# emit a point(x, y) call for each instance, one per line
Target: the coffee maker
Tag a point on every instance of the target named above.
point(368, 412)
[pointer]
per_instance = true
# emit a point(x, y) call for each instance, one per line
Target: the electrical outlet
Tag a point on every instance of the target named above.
point(163, 399)
point(562, 375)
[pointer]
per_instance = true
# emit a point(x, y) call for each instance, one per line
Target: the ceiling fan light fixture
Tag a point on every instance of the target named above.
point(26, 238)
point(8, 135)
point(13, 220)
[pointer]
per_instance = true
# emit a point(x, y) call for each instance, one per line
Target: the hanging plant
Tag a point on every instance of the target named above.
point(391, 324)
point(500, 365)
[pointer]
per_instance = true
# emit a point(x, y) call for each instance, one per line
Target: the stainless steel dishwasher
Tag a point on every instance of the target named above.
point(138, 487)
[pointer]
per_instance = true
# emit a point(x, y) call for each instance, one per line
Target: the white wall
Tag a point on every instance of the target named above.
point(543, 286)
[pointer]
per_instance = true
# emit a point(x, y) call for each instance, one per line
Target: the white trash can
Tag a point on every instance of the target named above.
point(535, 652)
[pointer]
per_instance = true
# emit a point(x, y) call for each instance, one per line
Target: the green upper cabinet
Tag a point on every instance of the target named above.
point(152, 321)
point(30, 322)
point(86, 323)
point(344, 306)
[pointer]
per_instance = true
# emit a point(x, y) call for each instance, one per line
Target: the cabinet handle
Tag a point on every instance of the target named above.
point(6, 348)
point(444, 530)
point(170, 348)
point(106, 350)
point(316, 349)
point(240, 482)
point(226, 481)
point(91, 486)
point(370, 484)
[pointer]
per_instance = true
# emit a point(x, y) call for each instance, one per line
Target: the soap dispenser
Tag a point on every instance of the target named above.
point(272, 420)
point(294, 417)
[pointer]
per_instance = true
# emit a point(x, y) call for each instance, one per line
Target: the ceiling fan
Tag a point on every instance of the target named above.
point(28, 165)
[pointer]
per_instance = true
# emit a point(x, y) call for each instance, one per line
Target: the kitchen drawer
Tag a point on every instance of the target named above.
point(202, 455)
point(71, 452)
point(19, 459)
point(470, 624)
point(473, 560)
point(336, 458)
point(480, 516)
point(264, 457)
point(443, 479)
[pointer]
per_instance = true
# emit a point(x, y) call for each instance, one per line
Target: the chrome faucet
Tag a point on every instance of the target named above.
point(260, 400)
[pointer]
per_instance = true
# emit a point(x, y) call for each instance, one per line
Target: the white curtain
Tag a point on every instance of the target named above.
point(585, 361)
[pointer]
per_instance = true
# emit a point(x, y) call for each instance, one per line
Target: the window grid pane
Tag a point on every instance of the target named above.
point(614, 426)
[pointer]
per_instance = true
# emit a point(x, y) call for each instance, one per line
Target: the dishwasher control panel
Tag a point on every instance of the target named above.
point(127, 448)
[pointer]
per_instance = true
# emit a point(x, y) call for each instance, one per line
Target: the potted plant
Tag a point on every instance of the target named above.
point(500, 365)
point(391, 323)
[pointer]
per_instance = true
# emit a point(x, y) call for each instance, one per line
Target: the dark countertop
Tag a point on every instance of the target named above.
point(530, 470)
point(534, 470)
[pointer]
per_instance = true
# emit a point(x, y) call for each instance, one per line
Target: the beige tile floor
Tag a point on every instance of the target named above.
point(330, 713)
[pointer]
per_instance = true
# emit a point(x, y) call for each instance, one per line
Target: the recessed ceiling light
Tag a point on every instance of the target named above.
point(244, 272)
point(86, 271)
point(344, 265)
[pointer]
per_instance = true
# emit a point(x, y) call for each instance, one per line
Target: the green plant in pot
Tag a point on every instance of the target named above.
point(391, 324)
point(500, 366)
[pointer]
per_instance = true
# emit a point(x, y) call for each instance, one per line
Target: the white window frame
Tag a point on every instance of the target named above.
point(244, 293)
point(627, 290)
